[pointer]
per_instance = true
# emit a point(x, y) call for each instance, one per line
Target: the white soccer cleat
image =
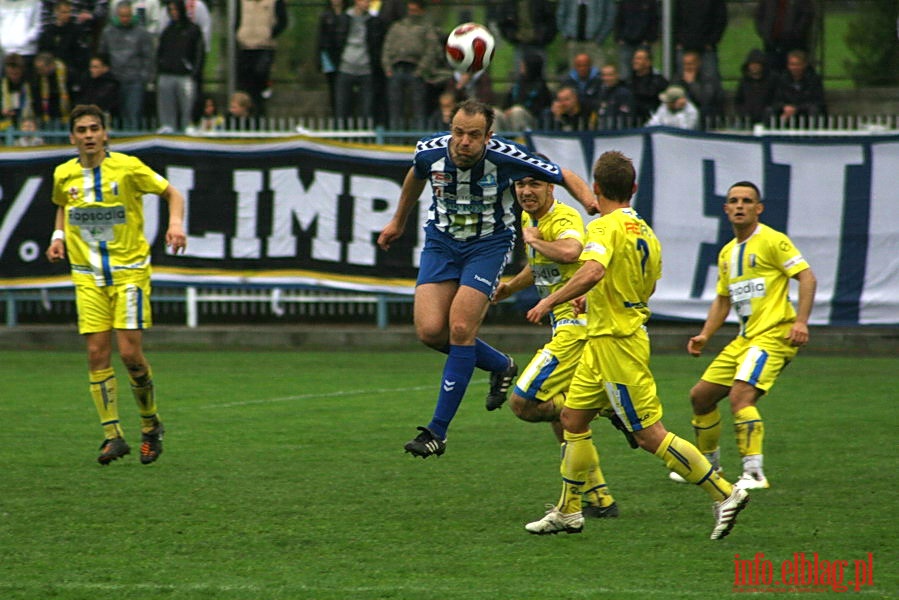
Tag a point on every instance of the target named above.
point(749, 481)
point(678, 479)
point(557, 522)
point(726, 512)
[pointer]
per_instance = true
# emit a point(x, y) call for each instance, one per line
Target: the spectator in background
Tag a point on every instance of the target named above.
point(442, 116)
point(645, 84)
point(131, 55)
point(178, 57)
point(703, 90)
point(100, 87)
point(567, 113)
point(636, 26)
point(30, 138)
point(259, 22)
point(784, 25)
point(756, 88)
point(799, 91)
point(212, 119)
point(616, 102)
point(198, 13)
point(51, 89)
point(241, 112)
point(675, 110)
point(327, 50)
point(16, 98)
point(360, 39)
point(20, 28)
point(413, 49)
point(586, 25)
point(528, 97)
point(91, 15)
point(698, 26)
point(529, 25)
point(65, 39)
point(476, 86)
point(585, 78)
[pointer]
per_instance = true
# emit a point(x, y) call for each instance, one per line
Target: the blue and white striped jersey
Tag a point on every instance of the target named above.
point(477, 202)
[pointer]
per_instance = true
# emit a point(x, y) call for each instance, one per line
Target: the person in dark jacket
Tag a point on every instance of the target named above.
point(327, 53)
point(585, 78)
point(178, 58)
point(65, 39)
point(800, 91)
point(360, 39)
point(100, 87)
point(529, 25)
point(698, 26)
point(528, 97)
point(704, 91)
point(615, 109)
point(755, 90)
point(645, 84)
point(784, 25)
point(636, 26)
point(258, 23)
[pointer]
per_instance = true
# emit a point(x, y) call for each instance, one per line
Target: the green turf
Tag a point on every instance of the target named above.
point(284, 477)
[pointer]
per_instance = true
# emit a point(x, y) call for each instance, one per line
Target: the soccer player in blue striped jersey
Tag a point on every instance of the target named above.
point(99, 228)
point(754, 272)
point(621, 263)
point(469, 234)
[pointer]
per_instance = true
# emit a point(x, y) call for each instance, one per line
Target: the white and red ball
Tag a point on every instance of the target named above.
point(470, 48)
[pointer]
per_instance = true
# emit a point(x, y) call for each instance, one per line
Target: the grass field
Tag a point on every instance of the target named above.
point(284, 477)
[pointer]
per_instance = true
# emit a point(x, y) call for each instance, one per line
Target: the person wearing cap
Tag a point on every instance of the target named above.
point(676, 110)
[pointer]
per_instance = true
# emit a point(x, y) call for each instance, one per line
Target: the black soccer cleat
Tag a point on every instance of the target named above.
point(151, 444)
point(425, 444)
point(112, 449)
point(593, 511)
point(500, 382)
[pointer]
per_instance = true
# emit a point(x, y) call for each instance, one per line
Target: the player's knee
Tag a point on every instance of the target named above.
point(431, 338)
point(524, 409)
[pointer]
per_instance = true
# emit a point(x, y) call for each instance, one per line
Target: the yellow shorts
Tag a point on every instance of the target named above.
point(550, 371)
point(121, 306)
point(757, 361)
point(624, 381)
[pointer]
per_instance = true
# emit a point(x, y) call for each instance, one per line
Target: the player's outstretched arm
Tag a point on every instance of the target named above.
point(412, 189)
point(713, 322)
point(175, 238)
point(580, 190)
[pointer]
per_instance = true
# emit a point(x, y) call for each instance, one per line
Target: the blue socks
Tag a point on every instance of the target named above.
point(457, 372)
point(488, 357)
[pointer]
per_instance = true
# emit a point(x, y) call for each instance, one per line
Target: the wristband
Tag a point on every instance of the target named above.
point(58, 234)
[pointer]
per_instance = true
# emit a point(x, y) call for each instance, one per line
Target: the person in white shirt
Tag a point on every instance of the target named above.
point(676, 110)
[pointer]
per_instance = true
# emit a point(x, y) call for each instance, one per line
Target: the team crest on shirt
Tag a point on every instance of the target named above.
point(752, 260)
point(73, 193)
point(487, 181)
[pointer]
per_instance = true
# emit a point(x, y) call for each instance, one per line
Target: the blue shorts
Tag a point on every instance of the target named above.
point(477, 263)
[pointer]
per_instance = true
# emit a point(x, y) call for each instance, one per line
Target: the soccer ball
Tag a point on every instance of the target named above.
point(470, 47)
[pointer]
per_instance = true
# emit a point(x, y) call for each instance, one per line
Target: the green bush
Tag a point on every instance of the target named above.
point(871, 40)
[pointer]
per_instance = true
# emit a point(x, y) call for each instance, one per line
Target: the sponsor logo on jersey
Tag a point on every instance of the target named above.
point(441, 178)
point(747, 290)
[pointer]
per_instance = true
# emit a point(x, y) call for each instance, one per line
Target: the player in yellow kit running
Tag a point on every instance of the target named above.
point(754, 272)
point(553, 233)
point(621, 264)
point(99, 228)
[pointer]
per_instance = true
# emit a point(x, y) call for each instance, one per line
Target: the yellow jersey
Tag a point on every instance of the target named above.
point(756, 274)
point(627, 247)
point(559, 223)
point(104, 217)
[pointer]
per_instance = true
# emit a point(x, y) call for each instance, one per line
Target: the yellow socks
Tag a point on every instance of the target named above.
point(105, 396)
point(581, 473)
point(708, 435)
point(750, 430)
point(142, 389)
point(684, 458)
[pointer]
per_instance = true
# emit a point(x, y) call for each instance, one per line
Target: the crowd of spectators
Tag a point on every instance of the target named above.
point(142, 61)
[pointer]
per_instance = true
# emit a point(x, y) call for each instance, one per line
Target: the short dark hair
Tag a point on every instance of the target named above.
point(748, 184)
point(474, 107)
point(86, 110)
point(615, 175)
